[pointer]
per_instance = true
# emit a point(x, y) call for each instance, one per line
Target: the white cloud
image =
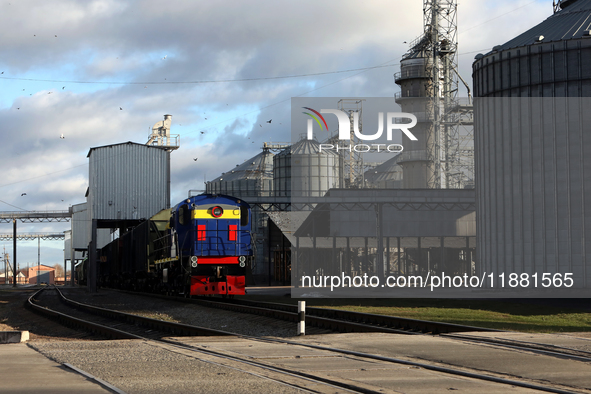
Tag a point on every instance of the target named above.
point(125, 41)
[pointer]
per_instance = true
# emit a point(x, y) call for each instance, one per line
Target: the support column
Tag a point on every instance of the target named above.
point(38, 261)
point(400, 270)
point(91, 274)
point(380, 246)
point(14, 265)
point(72, 257)
point(269, 254)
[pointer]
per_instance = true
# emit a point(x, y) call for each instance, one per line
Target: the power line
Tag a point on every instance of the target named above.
point(199, 82)
point(362, 70)
point(14, 206)
point(298, 95)
point(497, 17)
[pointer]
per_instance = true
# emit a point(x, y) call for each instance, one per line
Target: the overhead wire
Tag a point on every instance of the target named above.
point(363, 70)
point(497, 17)
point(198, 82)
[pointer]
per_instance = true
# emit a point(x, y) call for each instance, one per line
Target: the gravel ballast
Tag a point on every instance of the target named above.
point(135, 366)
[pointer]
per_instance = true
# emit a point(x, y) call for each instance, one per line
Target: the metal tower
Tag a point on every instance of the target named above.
point(353, 160)
point(161, 135)
point(429, 81)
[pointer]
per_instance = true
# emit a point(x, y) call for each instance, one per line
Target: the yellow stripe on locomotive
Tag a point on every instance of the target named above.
point(213, 212)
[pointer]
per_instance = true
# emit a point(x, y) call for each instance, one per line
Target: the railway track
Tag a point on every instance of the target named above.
point(114, 324)
point(322, 317)
point(347, 321)
point(330, 319)
point(343, 321)
point(110, 323)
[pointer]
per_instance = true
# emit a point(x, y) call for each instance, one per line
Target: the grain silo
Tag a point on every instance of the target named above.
point(387, 175)
point(303, 171)
point(533, 172)
point(253, 178)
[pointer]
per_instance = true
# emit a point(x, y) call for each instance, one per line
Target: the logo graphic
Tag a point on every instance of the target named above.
point(345, 130)
point(315, 118)
point(345, 122)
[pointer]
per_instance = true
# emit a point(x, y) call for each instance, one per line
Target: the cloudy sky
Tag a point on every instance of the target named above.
point(105, 71)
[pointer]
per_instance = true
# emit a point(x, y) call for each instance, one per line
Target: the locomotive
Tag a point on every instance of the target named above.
point(202, 246)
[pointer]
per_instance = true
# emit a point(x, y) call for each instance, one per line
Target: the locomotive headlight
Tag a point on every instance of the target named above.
point(242, 264)
point(217, 212)
point(242, 259)
point(194, 261)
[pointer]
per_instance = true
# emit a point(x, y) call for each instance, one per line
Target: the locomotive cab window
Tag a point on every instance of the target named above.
point(243, 215)
point(184, 215)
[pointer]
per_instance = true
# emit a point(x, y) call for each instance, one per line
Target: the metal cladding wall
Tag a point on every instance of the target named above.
point(534, 186)
point(554, 69)
point(128, 181)
point(549, 60)
point(533, 170)
point(81, 230)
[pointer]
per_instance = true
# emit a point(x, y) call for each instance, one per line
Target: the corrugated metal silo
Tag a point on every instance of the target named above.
point(303, 171)
point(387, 175)
point(533, 172)
point(252, 178)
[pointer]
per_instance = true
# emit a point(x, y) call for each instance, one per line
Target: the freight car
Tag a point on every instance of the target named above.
point(202, 246)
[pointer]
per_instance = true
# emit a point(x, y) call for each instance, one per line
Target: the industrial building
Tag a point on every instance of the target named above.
point(309, 179)
point(128, 183)
point(521, 145)
point(532, 141)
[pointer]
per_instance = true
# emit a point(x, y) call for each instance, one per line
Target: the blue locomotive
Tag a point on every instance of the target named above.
point(202, 246)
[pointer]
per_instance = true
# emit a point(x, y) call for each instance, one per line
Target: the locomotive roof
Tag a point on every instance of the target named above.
point(214, 198)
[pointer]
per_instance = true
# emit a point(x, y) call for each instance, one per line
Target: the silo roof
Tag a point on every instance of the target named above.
point(570, 23)
point(388, 170)
point(305, 147)
point(251, 169)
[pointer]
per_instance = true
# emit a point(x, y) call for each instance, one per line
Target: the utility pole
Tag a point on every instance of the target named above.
point(14, 253)
point(38, 260)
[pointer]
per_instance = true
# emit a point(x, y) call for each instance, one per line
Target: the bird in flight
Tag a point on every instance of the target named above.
point(120, 109)
point(203, 132)
point(270, 120)
point(23, 194)
point(62, 137)
point(195, 159)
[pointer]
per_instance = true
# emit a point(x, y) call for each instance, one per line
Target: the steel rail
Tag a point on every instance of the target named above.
point(160, 325)
point(70, 321)
point(431, 367)
point(113, 333)
point(452, 371)
point(349, 321)
point(334, 319)
point(539, 348)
